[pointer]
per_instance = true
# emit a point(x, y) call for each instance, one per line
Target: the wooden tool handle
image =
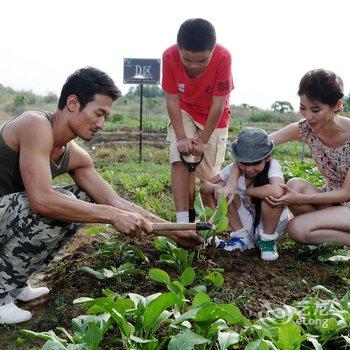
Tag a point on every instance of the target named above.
point(169, 226)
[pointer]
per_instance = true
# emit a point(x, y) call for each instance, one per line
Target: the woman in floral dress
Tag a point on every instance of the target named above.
point(320, 214)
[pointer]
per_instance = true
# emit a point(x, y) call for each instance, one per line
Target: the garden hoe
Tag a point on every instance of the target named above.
point(191, 167)
point(170, 226)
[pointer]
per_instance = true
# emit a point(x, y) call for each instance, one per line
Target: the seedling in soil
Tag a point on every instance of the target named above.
point(330, 252)
point(218, 218)
point(173, 255)
point(88, 332)
point(124, 270)
point(328, 317)
point(179, 287)
point(215, 277)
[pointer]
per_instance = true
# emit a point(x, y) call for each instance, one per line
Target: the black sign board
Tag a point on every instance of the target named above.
point(141, 71)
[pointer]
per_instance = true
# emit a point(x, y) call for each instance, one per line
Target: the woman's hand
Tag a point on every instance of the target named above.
point(289, 197)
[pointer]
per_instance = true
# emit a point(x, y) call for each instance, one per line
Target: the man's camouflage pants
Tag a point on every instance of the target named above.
point(28, 242)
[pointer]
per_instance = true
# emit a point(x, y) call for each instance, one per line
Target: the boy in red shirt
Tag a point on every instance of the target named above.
point(197, 80)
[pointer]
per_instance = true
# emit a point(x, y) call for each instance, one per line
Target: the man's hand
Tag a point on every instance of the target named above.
point(131, 224)
point(187, 239)
point(185, 146)
point(198, 147)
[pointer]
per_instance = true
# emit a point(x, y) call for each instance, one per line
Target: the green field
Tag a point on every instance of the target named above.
point(206, 299)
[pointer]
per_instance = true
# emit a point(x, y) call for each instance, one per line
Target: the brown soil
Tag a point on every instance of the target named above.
point(249, 281)
point(128, 135)
point(115, 144)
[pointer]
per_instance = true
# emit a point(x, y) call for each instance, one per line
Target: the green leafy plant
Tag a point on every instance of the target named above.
point(181, 286)
point(137, 318)
point(218, 218)
point(125, 270)
point(134, 252)
point(215, 277)
point(330, 252)
point(328, 318)
point(209, 323)
point(88, 332)
point(306, 170)
point(172, 255)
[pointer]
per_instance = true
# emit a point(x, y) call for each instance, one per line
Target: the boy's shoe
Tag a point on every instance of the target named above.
point(239, 240)
point(10, 313)
point(268, 247)
point(28, 293)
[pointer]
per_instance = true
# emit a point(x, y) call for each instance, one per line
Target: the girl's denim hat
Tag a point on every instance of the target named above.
point(251, 145)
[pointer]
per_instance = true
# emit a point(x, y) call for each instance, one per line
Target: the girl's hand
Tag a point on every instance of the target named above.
point(227, 192)
point(289, 197)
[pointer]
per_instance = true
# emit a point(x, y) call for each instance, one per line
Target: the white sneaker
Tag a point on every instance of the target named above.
point(215, 241)
point(10, 313)
point(268, 247)
point(28, 293)
point(239, 240)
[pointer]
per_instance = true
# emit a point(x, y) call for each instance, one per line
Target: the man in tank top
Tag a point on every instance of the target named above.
point(37, 219)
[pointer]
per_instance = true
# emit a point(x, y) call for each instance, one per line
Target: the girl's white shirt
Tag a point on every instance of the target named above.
point(275, 170)
point(246, 212)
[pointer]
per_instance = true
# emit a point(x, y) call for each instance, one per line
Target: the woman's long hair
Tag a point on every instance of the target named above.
point(260, 180)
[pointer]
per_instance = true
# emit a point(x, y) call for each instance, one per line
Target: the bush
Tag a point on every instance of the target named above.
point(50, 98)
point(21, 101)
point(122, 101)
point(152, 102)
point(116, 117)
point(261, 117)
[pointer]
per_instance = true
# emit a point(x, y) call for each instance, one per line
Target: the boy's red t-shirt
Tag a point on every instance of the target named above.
point(195, 94)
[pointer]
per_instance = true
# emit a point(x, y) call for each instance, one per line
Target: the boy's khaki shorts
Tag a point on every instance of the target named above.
point(214, 153)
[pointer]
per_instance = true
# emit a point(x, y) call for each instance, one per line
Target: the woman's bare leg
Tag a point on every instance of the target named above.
point(329, 224)
point(302, 186)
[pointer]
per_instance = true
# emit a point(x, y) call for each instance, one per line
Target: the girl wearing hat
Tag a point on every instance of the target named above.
point(252, 219)
point(320, 214)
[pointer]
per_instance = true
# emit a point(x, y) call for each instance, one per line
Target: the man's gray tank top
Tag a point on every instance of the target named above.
point(10, 175)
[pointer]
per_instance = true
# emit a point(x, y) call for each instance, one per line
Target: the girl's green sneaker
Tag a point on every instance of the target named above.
point(268, 246)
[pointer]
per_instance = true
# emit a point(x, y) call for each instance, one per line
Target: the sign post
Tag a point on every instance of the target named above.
point(141, 71)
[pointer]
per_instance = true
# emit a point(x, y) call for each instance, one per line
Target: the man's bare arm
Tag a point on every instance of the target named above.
point(85, 176)
point(35, 149)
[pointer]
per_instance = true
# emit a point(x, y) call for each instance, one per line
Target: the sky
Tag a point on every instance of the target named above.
point(273, 43)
